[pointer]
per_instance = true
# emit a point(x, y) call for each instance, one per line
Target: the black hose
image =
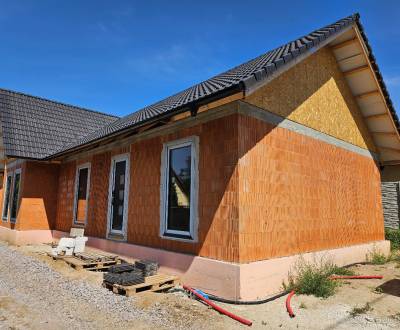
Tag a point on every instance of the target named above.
point(252, 302)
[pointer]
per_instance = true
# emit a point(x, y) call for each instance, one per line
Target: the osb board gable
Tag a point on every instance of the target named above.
point(298, 194)
point(315, 93)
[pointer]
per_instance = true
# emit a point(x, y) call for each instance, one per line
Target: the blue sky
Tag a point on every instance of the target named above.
point(118, 56)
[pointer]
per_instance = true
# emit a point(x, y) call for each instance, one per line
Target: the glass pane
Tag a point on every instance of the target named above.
point(179, 182)
point(14, 204)
point(118, 196)
point(81, 202)
point(7, 197)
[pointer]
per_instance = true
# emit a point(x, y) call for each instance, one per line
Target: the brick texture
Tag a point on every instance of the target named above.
point(218, 210)
point(298, 194)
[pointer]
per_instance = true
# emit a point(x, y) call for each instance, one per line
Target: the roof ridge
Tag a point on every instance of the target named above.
point(57, 102)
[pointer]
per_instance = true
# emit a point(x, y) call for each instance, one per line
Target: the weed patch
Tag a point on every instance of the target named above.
point(376, 257)
point(312, 278)
point(360, 310)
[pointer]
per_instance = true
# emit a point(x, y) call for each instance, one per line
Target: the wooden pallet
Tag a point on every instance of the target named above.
point(79, 264)
point(155, 283)
point(92, 256)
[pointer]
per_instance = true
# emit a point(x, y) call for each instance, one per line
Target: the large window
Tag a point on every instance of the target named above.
point(15, 195)
point(179, 189)
point(81, 194)
point(6, 197)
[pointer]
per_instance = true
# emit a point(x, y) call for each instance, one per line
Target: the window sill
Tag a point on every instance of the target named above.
point(116, 237)
point(180, 238)
point(79, 225)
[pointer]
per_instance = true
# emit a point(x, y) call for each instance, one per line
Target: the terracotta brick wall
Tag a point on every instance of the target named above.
point(38, 204)
point(298, 194)
point(218, 215)
point(218, 210)
point(37, 197)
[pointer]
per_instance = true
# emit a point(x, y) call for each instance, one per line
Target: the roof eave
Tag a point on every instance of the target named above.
point(190, 107)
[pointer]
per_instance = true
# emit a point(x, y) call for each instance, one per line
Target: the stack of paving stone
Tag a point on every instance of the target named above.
point(121, 268)
point(130, 277)
point(148, 267)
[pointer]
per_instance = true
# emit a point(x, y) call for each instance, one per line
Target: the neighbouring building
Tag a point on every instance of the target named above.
point(226, 183)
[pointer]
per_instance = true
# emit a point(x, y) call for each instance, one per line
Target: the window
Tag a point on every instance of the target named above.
point(118, 196)
point(6, 197)
point(179, 189)
point(81, 194)
point(15, 195)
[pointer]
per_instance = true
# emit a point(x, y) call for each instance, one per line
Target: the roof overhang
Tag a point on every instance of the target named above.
point(356, 61)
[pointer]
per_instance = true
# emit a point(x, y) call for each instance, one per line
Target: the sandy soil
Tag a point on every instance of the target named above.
point(311, 312)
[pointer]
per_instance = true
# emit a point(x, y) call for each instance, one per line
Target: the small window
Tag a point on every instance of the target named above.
point(179, 190)
point(6, 197)
point(15, 195)
point(81, 194)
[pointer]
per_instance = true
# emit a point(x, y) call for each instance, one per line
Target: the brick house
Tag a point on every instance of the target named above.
point(225, 183)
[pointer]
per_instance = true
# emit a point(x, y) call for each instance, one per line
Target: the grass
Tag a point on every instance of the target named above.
point(312, 278)
point(376, 257)
point(393, 235)
point(360, 310)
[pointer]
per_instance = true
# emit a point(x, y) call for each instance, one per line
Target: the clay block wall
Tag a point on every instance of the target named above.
point(218, 209)
point(96, 224)
point(298, 194)
point(37, 197)
point(38, 204)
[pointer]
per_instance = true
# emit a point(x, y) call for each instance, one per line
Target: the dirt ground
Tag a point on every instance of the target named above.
point(181, 312)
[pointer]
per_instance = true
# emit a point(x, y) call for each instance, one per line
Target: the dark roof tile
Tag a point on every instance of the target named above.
point(35, 128)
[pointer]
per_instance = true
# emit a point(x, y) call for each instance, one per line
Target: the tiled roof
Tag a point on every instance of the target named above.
point(236, 79)
point(35, 128)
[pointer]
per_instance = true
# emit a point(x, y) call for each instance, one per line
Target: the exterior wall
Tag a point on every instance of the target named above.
point(315, 93)
point(37, 197)
point(10, 168)
point(218, 209)
point(298, 194)
point(38, 203)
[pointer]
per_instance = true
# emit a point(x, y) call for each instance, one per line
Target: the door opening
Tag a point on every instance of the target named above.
point(118, 195)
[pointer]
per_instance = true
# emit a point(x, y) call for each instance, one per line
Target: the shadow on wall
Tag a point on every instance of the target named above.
point(38, 203)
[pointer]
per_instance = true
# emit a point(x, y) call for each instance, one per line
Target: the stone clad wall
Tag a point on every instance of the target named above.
point(390, 203)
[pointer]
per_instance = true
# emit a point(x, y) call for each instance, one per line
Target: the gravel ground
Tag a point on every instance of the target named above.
point(35, 296)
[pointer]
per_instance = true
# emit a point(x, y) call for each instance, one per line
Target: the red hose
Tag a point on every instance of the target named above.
point(217, 308)
point(288, 307)
point(361, 277)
